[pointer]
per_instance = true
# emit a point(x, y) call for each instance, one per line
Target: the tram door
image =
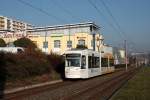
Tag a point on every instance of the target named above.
point(93, 65)
point(84, 70)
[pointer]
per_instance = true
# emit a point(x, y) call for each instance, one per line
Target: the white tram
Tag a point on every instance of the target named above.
point(85, 64)
point(12, 49)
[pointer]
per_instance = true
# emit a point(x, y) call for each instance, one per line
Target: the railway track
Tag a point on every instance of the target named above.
point(104, 90)
point(97, 88)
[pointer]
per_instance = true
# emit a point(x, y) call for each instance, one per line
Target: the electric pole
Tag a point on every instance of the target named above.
point(126, 55)
point(93, 34)
point(46, 43)
point(69, 44)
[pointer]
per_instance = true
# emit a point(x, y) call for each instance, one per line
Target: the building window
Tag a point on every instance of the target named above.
point(69, 44)
point(81, 42)
point(45, 44)
point(56, 43)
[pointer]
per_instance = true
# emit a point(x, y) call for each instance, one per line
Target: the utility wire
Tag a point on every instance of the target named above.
point(42, 11)
point(110, 13)
point(101, 14)
point(122, 34)
point(65, 10)
point(115, 21)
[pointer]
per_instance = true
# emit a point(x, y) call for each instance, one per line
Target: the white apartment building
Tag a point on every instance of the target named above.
point(11, 29)
point(12, 25)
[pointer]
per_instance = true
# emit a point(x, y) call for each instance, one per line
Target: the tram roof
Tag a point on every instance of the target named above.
point(81, 50)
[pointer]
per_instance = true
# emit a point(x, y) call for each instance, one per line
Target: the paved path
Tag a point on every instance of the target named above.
point(31, 86)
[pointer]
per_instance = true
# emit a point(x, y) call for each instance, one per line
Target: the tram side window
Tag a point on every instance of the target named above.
point(93, 62)
point(104, 62)
point(111, 62)
point(97, 62)
point(83, 66)
point(90, 61)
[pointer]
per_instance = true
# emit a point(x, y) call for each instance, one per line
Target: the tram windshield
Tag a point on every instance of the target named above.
point(73, 60)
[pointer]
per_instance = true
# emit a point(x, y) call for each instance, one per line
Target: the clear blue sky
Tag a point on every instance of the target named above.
point(133, 16)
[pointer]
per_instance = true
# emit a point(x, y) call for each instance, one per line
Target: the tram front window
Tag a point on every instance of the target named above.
point(73, 60)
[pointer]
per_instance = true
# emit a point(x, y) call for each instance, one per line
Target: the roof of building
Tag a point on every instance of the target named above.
point(65, 26)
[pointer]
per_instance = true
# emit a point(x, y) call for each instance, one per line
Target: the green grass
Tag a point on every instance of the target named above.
point(137, 88)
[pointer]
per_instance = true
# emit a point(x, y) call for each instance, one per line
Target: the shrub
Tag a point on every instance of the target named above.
point(57, 62)
point(25, 65)
point(24, 42)
point(2, 43)
point(2, 66)
point(29, 64)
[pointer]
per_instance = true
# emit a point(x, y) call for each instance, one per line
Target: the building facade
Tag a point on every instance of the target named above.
point(60, 38)
point(119, 56)
point(140, 58)
point(57, 39)
point(107, 51)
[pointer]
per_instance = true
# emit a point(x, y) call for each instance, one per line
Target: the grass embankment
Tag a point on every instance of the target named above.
point(137, 88)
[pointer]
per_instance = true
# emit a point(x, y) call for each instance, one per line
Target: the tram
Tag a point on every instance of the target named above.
point(85, 64)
